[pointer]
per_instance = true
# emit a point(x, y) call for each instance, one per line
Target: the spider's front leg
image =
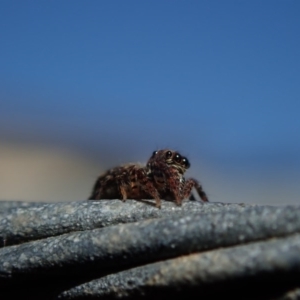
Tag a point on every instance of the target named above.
point(148, 186)
point(175, 183)
point(189, 184)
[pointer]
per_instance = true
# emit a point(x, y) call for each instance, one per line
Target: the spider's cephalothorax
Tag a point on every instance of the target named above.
point(162, 177)
point(167, 169)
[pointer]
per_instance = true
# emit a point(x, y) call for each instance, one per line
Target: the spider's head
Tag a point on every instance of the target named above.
point(171, 158)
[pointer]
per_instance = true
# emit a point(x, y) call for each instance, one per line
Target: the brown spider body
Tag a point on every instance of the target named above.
point(162, 177)
point(123, 182)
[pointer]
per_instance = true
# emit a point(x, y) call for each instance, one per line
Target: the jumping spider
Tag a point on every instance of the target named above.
point(162, 177)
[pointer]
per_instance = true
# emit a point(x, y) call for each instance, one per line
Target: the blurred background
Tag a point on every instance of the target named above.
point(88, 85)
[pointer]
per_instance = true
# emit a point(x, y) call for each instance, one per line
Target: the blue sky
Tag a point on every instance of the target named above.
point(217, 80)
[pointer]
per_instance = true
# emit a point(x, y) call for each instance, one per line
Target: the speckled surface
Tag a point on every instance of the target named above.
point(110, 249)
point(258, 262)
point(21, 222)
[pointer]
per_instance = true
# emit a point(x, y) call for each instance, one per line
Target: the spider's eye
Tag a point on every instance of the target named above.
point(177, 158)
point(168, 154)
point(154, 153)
point(186, 163)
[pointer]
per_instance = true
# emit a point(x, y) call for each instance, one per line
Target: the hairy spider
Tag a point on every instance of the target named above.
point(162, 177)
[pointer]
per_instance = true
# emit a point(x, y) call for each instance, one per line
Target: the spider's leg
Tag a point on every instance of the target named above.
point(148, 186)
point(189, 184)
point(175, 183)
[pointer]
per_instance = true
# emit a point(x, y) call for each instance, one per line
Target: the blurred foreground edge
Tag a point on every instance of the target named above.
point(108, 249)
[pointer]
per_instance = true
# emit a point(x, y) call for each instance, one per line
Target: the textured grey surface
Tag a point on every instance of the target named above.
point(21, 221)
point(110, 249)
point(149, 240)
point(258, 262)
